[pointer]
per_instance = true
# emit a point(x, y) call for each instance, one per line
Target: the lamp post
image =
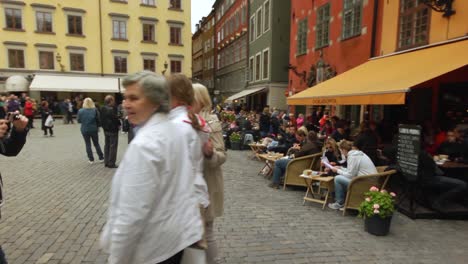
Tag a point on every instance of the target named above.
point(444, 6)
point(165, 68)
point(59, 60)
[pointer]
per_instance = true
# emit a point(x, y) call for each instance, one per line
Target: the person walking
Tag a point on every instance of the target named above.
point(46, 117)
point(29, 112)
point(69, 111)
point(153, 215)
point(214, 154)
point(111, 126)
point(88, 117)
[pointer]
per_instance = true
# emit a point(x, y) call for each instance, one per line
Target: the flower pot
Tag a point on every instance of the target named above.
point(377, 226)
point(235, 145)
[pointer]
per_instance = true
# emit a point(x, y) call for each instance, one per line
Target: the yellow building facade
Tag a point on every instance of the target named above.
point(433, 26)
point(99, 38)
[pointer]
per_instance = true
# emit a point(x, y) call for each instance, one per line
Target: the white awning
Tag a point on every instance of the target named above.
point(243, 93)
point(16, 83)
point(62, 83)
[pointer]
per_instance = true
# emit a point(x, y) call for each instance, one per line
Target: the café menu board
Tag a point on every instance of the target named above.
point(409, 145)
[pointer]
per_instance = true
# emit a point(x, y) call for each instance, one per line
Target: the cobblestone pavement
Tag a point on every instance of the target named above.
point(56, 206)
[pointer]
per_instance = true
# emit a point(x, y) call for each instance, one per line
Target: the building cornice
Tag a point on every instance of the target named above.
point(15, 43)
point(120, 51)
point(45, 45)
point(72, 9)
point(149, 54)
point(119, 15)
point(43, 6)
point(152, 19)
point(179, 56)
point(11, 2)
point(75, 48)
point(176, 22)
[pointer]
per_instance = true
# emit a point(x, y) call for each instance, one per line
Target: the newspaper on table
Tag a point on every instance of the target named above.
point(326, 162)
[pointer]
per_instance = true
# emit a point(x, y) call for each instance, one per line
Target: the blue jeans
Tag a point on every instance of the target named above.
point(279, 169)
point(92, 136)
point(341, 186)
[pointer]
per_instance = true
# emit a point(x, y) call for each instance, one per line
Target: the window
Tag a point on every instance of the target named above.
point(120, 64)
point(15, 58)
point(251, 69)
point(75, 26)
point(76, 62)
point(244, 15)
point(414, 24)
point(302, 37)
point(176, 66)
point(44, 21)
point(252, 28)
point(257, 66)
point(176, 36)
point(259, 22)
point(148, 2)
point(13, 18)
point(149, 65)
point(148, 32)
point(266, 17)
point(323, 24)
point(351, 18)
point(266, 60)
point(120, 29)
point(175, 4)
point(46, 60)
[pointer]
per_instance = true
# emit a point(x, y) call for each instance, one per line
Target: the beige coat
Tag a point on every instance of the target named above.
point(212, 170)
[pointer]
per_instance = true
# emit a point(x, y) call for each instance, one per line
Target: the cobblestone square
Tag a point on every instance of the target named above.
point(56, 206)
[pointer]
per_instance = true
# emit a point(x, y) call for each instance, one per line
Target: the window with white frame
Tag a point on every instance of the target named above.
point(148, 2)
point(259, 23)
point(175, 4)
point(258, 66)
point(119, 29)
point(251, 69)
point(323, 26)
point(44, 21)
point(13, 18)
point(266, 61)
point(352, 10)
point(77, 61)
point(46, 60)
point(15, 58)
point(252, 28)
point(120, 64)
point(302, 37)
point(266, 16)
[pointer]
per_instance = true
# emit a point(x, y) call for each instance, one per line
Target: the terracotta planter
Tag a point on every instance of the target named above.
point(377, 226)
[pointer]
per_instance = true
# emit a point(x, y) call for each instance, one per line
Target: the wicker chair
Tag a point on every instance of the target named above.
point(297, 166)
point(361, 184)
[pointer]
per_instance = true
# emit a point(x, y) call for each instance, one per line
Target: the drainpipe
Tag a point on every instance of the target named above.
point(374, 28)
point(100, 39)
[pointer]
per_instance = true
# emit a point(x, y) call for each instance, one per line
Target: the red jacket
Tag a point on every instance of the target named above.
point(28, 109)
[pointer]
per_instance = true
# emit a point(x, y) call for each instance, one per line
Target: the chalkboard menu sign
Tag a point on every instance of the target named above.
point(409, 145)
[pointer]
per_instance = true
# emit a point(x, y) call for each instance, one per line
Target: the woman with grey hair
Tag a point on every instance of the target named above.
point(88, 116)
point(214, 156)
point(153, 215)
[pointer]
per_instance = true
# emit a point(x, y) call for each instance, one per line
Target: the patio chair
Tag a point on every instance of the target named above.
point(361, 184)
point(297, 166)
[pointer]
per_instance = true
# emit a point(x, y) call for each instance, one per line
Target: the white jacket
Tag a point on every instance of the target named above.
point(192, 141)
point(153, 214)
point(358, 164)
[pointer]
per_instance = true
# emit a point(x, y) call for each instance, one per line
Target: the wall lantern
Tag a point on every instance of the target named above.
point(444, 6)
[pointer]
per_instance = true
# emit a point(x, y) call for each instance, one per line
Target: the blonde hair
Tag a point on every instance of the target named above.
point(345, 145)
point(88, 103)
point(304, 130)
point(202, 97)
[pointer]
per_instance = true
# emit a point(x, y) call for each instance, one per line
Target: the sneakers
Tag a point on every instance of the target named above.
point(101, 160)
point(91, 161)
point(274, 185)
point(335, 206)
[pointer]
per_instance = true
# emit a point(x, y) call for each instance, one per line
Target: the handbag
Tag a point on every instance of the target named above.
point(49, 122)
point(193, 256)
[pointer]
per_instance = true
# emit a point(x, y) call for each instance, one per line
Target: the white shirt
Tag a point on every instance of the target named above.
point(153, 214)
point(192, 141)
point(358, 164)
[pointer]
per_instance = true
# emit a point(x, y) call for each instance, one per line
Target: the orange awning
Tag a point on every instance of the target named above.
point(386, 80)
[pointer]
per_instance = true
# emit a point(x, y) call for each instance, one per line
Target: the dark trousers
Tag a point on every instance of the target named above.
point(110, 148)
point(449, 188)
point(50, 131)
point(30, 121)
point(92, 136)
point(176, 259)
point(69, 117)
point(2, 257)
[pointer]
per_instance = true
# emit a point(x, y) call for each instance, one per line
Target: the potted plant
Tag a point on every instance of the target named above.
point(377, 210)
point(235, 139)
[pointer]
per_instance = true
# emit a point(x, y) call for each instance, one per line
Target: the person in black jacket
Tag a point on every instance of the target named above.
point(10, 146)
point(264, 122)
point(111, 126)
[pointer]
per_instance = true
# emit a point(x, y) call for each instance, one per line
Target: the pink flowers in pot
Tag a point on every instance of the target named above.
point(377, 202)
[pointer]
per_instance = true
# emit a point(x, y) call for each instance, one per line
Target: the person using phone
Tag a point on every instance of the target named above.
point(10, 145)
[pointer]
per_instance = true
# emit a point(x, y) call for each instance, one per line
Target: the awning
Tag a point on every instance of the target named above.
point(386, 80)
point(61, 83)
point(243, 94)
point(16, 83)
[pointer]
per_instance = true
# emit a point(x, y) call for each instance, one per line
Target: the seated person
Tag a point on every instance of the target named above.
point(340, 133)
point(447, 188)
point(358, 164)
point(453, 147)
point(285, 141)
point(308, 147)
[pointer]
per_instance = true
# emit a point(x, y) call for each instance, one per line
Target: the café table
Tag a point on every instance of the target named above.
point(318, 188)
point(453, 165)
point(269, 159)
point(256, 149)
